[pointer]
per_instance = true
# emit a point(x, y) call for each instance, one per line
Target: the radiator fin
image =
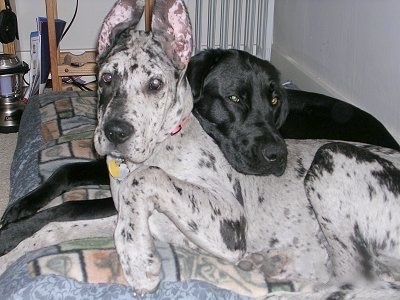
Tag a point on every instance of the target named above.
point(239, 24)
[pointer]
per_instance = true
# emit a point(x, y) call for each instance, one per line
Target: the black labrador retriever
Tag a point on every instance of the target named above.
point(276, 112)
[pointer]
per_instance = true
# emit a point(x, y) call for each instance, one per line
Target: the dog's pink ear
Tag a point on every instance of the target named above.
point(171, 20)
point(124, 14)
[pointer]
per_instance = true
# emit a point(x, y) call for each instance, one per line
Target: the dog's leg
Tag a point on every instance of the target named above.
point(213, 222)
point(356, 196)
point(13, 233)
point(65, 178)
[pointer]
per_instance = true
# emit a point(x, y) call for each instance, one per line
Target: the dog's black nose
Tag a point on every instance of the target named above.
point(273, 153)
point(118, 131)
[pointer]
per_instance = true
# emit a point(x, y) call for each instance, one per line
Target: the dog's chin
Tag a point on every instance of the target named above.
point(129, 159)
point(116, 155)
point(260, 170)
point(126, 152)
point(256, 166)
point(251, 164)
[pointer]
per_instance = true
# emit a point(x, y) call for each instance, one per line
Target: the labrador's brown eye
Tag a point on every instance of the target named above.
point(106, 77)
point(155, 84)
point(274, 101)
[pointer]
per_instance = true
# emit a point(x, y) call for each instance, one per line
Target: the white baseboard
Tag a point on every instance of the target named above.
point(302, 77)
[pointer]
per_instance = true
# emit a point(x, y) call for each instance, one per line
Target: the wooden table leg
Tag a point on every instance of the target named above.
point(51, 11)
point(149, 4)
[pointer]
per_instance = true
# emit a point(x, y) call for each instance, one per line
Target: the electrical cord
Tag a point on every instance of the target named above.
point(81, 86)
point(26, 82)
point(71, 79)
point(72, 20)
point(75, 82)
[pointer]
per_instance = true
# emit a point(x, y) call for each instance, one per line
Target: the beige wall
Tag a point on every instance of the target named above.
point(348, 49)
point(83, 33)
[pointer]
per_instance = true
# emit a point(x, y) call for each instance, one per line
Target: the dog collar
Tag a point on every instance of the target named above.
point(179, 126)
point(117, 168)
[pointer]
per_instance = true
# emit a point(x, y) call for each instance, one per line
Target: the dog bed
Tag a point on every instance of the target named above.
point(57, 129)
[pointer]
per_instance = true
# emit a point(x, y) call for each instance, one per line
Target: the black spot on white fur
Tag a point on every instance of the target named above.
point(388, 177)
point(234, 233)
point(273, 242)
point(338, 295)
point(193, 226)
point(363, 250)
point(300, 169)
point(178, 189)
point(238, 192)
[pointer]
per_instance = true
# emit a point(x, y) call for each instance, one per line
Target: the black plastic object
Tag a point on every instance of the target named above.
point(8, 24)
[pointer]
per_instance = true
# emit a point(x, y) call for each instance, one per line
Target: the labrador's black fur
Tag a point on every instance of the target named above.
point(247, 131)
point(317, 116)
point(215, 76)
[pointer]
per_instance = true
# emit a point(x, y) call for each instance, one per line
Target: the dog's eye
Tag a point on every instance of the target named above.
point(106, 77)
point(274, 101)
point(234, 98)
point(155, 84)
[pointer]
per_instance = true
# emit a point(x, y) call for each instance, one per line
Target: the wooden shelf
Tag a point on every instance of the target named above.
point(68, 64)
point(63, 64)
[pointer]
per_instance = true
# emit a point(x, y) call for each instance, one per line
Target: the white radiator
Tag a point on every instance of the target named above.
point(240, 24)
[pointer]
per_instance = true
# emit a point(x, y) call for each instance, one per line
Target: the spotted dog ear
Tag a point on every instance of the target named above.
point(171, 21)
point(199, 67)
point(124, 14)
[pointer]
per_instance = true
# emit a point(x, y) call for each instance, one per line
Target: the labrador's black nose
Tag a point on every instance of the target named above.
point(118, 131)
point(274, 153)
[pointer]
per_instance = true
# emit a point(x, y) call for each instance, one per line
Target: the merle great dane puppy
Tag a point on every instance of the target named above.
point(179, 188)
point(172, 182)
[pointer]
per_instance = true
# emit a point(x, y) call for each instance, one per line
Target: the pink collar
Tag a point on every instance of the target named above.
point(179, 126)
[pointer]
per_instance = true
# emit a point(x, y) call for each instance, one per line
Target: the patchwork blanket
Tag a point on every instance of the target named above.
point(57, 129)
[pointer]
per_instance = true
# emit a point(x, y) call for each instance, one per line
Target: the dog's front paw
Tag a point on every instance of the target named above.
point(148, 284)
point(152, 277)
point(274, 264)
point(143, 274)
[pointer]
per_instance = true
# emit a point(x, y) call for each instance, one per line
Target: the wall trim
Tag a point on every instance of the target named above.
point(304, 78)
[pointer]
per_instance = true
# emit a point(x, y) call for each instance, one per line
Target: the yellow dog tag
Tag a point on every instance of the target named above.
point(117, 168)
